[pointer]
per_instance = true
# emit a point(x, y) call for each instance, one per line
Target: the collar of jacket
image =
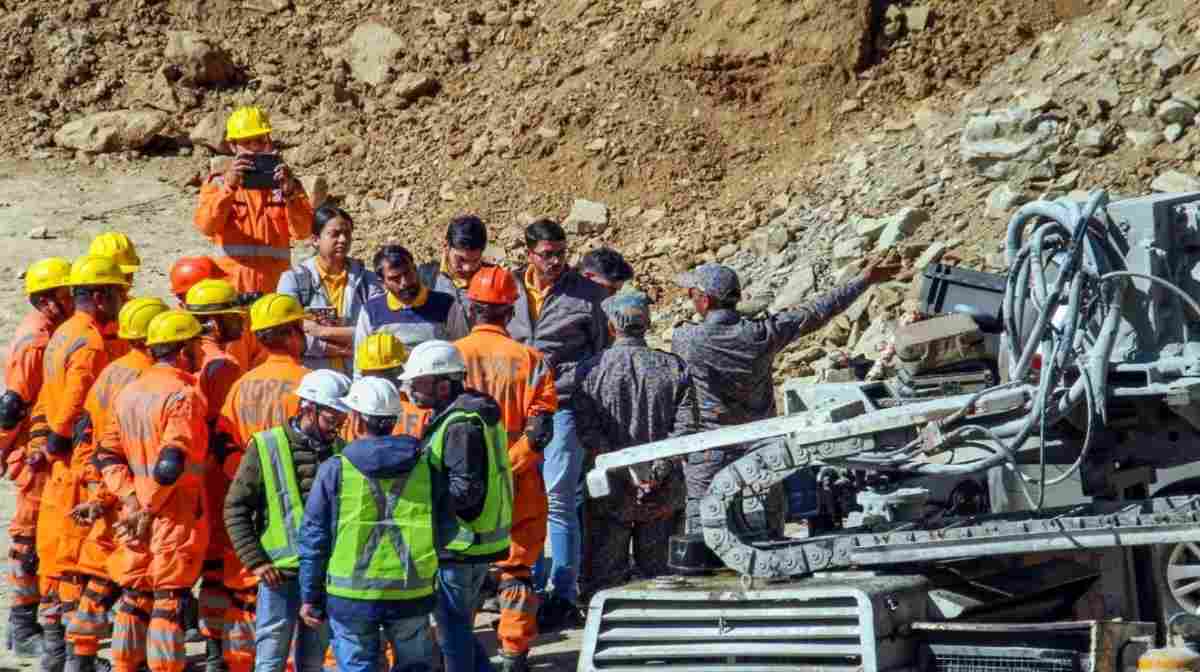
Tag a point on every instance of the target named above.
point(630, 342)
point(722, 316)
point(355, 270)
point(568, 278)
point(491, 329)
point(394, 302)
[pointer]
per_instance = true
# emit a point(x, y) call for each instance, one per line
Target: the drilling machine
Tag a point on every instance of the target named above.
point(1013, 502)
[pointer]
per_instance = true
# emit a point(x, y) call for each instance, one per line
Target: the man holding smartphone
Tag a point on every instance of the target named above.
point(255, 208)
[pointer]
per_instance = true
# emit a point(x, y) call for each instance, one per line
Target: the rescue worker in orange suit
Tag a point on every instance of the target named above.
point(516, 377)
point(185, 273)
point(47, 286)
point(215, 303)
point(118, 247)
point(261, 399)
point(74, 357)
point(153, 450)
point(87, 536)
point(252, 224)
point(382, 355)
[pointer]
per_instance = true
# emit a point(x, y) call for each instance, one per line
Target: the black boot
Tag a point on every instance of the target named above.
point(24, 633)
point(54, 648)
point(511, 662)
point(214, 657)
point(79, 663)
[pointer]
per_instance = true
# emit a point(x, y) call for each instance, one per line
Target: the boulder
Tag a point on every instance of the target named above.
point(370, 51)
point(1008, 144)
point(849, 249)
point(413, 85)
point(317, 188)
point(198, 59)
point(111, 131)
point(900, 226)
point(802, 282)
point(586, 217)
point(769, 240)
point(1003, 200)
point(1175, 182)
point(209, 132)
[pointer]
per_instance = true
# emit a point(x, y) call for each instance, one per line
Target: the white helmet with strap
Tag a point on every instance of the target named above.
point(373, 396)
point(326, 388)
point(434, 358)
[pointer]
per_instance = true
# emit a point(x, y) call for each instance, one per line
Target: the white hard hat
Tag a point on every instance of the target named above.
point(433, 358)
point(326, 388)
point(373, 396)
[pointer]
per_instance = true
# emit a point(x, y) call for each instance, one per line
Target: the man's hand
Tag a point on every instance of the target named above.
point(237, 168)
point(134, 522)
point(884, 268)
point(310, 616)
point(35, 458)
point(269, 575)
point(313, 328)
point(285, 179)
point(338, 350)
point(87, 513)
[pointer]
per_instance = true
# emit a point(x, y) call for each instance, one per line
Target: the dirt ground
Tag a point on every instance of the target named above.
point(75, 203)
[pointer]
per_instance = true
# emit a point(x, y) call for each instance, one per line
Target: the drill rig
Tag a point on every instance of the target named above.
point(1059, 554)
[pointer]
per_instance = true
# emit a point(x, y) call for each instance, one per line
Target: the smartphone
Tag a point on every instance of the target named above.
point(326, 317)
point(262, 174)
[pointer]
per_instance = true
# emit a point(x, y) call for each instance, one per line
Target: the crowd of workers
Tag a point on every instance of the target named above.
point(336, 455)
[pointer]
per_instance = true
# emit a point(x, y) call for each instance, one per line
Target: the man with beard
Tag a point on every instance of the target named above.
point(408, 310)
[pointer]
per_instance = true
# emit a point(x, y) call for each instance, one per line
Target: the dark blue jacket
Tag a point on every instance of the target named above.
point(381, 457)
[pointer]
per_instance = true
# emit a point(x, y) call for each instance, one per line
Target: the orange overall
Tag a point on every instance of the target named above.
point(517, 378)
point(74, 358)
point(259, 400)
point(23, 375)
point(218, 373)
point(252, 230)
point(83, 550)
point(159, 416)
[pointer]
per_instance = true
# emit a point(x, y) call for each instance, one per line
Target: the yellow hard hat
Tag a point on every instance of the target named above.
point(380, 351)
point(274, 310)
point(135, 317)
point(94, 269)
point(118, 246)
point(247, 122)
point(212, 297)
point(47, 274)
point(172, 326)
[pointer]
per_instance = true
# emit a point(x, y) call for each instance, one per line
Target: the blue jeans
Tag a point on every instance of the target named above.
point(458, 589)
point(276, 618)
point(561, 469)
point(358, 644)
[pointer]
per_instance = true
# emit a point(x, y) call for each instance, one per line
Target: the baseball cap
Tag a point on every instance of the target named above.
point(718, 281)
point(628, 311)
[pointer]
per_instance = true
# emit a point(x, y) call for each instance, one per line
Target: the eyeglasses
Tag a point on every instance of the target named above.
point(334, 418)
point(552, 254)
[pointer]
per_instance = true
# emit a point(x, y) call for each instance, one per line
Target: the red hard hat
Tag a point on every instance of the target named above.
point(492, 284)
point(190, 270)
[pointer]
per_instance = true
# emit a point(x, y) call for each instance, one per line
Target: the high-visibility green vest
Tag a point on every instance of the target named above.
point(487, 534)
point(285, 508)
point(384, 545)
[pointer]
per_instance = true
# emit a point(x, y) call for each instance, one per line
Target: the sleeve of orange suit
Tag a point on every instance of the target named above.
point(23, 373)
point(542, 400)
point(227, 422)
point(81, 373)
point(110, 460)
point(216, 207)
point(183, 429)
point(300, 215)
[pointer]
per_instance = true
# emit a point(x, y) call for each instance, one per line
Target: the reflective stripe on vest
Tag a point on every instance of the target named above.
point(284, 506)
point(384, 548)
point(489, 533)
point(253, 251)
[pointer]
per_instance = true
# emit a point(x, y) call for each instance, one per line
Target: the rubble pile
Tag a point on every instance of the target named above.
point(786, 139)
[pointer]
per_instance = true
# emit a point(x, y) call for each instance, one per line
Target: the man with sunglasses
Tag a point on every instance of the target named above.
point(558, 312)
point(263, 513)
